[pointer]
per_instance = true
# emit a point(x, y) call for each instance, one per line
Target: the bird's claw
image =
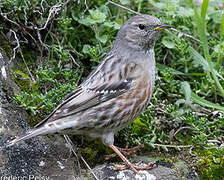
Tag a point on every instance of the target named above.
point(136, 167)
point(126, 151)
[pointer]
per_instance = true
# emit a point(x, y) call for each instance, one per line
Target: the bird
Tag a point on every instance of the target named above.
point(115, 93)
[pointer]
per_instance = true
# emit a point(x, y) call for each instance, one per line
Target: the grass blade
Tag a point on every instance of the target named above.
point(204, 8)
point(201, 25)
point(199, 59)
point(221, 40)
point(195, 98)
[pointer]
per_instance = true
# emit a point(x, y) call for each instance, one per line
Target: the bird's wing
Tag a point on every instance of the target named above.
point(84, 98)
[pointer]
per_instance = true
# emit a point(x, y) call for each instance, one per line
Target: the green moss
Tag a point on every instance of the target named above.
point(20, 74)
point(88, 175)
point(93, 151)
point(211, 164)
point(138, 126)
point(22, 79)
point(89, 154)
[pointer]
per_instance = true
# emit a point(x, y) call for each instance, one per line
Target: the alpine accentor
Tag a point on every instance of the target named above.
point(115, 93)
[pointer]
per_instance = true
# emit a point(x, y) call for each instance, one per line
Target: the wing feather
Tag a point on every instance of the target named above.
point(84, 98)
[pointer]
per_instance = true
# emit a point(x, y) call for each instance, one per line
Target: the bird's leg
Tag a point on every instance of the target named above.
point(128, 164)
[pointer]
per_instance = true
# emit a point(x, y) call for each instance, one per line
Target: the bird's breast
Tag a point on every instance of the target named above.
point(119, 112)
point(138, 98)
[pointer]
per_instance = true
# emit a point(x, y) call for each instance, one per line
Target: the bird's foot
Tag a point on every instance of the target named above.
point(135, 167)
point(126, 151)
point(128, 164)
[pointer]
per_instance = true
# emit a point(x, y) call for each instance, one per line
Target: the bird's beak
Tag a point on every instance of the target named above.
point(161, 27)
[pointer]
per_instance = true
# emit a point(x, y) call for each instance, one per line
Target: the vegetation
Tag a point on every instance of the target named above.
point(57, 43)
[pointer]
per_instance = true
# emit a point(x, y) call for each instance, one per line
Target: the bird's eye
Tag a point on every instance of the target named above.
point(141, 26)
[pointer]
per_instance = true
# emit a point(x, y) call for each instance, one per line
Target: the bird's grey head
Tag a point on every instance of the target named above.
point(140, 32)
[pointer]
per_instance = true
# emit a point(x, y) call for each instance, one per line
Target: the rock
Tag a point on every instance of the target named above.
point(165, 171)
point(38, 157)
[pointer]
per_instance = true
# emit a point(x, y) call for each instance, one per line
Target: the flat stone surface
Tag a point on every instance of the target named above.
point(178, 171)
point(37, 157)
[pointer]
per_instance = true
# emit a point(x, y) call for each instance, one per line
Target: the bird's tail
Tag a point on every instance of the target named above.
point(28, 135)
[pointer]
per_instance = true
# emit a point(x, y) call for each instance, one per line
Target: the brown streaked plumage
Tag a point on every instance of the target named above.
point(115, 93)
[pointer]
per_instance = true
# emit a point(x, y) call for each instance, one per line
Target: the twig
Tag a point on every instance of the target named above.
point(14, 54)
point(71, 145)
point(89, 167)
point(37, 11)
point(17, 42)
point(212, 141)
point(68, 140)
point(31, 76)
point(25, 14)
point(39, 36)
point(4, 15)
point(41, 5)
point(123, 7)
point(173, 146)
point(32, 37)
point(164, 58)
point(52, 12)
point(180, 34)
point(190, 151)
point(85, 2)
point(180, 129)
point(73, 58)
